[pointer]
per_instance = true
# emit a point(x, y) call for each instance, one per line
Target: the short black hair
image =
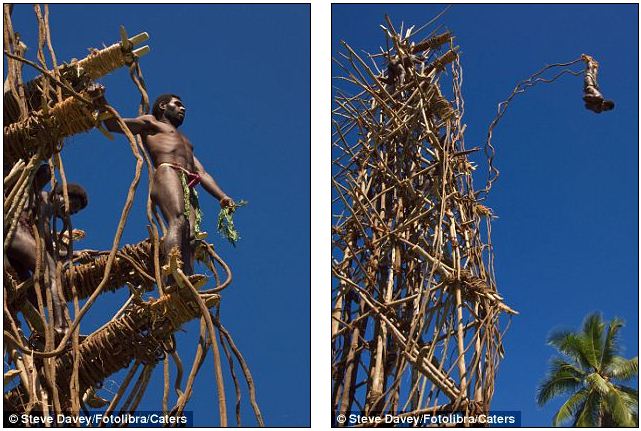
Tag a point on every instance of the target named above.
point(163, 98)
point(75, 191)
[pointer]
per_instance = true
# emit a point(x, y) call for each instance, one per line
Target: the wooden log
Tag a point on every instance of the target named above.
point(434, 42)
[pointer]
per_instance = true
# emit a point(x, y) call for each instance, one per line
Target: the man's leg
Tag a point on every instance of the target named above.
point(59, 321)
point(167, 194)
point(22, 251)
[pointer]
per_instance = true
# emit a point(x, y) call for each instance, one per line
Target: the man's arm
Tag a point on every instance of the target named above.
point(144, 123)
point(210, 185)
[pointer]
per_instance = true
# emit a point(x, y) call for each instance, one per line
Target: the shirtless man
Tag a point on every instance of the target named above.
point(177, 172)
point(21, 252)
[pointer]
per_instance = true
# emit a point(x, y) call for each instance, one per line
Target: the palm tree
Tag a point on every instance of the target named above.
point(591, 372)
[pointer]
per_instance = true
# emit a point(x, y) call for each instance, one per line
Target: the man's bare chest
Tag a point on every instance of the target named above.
point(170, 141)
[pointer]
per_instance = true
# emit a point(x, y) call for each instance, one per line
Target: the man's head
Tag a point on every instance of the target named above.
point(171, 107)
point(77, 198)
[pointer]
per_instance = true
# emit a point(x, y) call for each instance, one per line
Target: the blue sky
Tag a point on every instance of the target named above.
point(243, 74)
point(566, 240)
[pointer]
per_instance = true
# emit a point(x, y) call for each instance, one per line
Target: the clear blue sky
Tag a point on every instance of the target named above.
point(243, 74)
point(566, 241)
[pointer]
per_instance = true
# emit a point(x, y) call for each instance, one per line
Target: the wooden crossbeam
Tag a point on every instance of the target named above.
point(85, 276)
point(141, 333)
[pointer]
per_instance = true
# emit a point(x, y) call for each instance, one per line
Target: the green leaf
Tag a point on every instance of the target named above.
point(226, 222)
point(570, 407)
point(597, 383)
point(618, 409)
point(633, 393)
point(593, 339)
point(590, 411)
point(630, 397)
point(623, 369)
point(570, 344)
point(610, 347)
point(558, 364)
point(563, 378)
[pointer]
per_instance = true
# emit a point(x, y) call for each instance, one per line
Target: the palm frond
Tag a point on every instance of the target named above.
point(630, 391)
point(593, 340)
point(589, 414)
point(610, 345)
point(560, 380)
point(570, 344)
point(623, 369)
point(558, 364)
point(618, 408)
point(597, 383)
point(631, 398)
point(570, 407)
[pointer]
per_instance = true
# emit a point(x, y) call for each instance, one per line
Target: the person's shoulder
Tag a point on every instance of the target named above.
point(149, 123)
point(148, 118)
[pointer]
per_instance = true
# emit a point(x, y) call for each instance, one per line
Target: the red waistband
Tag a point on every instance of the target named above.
point(193, 178)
